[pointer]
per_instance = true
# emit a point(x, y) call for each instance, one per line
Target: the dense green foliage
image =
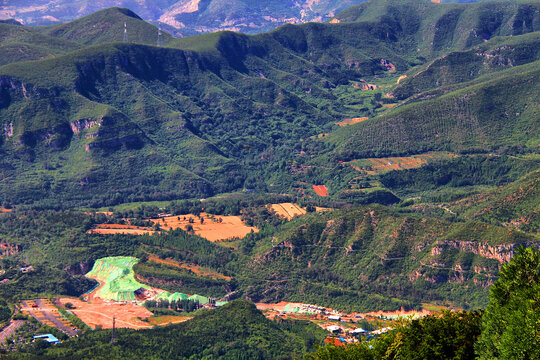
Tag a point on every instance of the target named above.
point(511, 323)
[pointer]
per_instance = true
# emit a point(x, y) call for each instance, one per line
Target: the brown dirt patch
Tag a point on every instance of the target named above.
point(351, 121)
point(213, 227)
point(321, 190)
point(99, 312)
point(198, 270)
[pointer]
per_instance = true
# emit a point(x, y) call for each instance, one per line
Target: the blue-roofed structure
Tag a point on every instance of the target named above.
point(50, 338)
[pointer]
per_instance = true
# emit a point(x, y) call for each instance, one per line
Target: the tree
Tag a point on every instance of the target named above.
point(511, 324)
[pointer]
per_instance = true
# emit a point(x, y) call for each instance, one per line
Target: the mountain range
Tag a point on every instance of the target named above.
point(210, 114)
point(186, 17)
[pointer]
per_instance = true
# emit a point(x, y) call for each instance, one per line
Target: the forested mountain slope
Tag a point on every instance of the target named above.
point(208, 113)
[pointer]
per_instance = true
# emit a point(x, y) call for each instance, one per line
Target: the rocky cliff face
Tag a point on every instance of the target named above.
point(81, 268)
point(502, 253)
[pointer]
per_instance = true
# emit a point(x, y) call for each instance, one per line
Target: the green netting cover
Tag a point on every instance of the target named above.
point(118, 277)
point(173, 297)
point(199, 298)
point(119, 281)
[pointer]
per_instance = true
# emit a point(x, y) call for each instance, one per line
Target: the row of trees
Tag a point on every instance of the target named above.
point(176, 305)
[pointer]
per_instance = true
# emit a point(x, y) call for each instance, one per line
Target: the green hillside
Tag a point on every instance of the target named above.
point(237, 330)
point(377, 258)
point(515, 205)
point(500, 110)
point(210, 114)
point(460, 67)
point(106, 26)
point(20, 43)
point(443, 27)
point(407, 130)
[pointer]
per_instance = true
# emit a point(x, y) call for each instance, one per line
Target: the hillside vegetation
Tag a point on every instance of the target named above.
point(212, 113)
point(405, 133)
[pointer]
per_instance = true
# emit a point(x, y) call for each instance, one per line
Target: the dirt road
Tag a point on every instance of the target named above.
point(10, 329)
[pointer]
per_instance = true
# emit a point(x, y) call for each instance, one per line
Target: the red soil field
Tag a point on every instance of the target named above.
point(378, 165)
point(321, 190)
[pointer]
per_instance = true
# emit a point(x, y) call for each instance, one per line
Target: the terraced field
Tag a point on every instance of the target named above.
point(373, 166)
point(287, 210)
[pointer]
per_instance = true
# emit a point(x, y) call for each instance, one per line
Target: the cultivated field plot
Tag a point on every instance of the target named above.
point(347, 122)
point(120, 229)
point(97, 312)
point(45, 312)
point(290, 210)
point(374, 166)
point(210, 227)
point(287, 210)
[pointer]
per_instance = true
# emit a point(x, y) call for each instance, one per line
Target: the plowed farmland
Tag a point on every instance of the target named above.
point(210, 227)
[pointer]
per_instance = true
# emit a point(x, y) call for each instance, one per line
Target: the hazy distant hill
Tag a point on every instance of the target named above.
point(187, 17)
